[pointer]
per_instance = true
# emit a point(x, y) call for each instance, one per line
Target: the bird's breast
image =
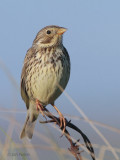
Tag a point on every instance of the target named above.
point(48, 71)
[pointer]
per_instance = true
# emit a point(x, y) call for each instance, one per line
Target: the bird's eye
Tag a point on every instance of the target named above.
point(48, 31)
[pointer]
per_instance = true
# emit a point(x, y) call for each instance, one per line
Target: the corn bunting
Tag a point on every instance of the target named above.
point(46, 67)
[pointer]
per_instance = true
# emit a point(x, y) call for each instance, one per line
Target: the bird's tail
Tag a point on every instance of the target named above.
point(29, 125)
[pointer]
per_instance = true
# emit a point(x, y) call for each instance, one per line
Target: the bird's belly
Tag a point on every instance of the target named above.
point(45, 83)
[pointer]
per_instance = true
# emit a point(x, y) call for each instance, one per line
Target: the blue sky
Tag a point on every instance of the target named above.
point(93, 43)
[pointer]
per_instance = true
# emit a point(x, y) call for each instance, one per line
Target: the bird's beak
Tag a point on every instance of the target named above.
point(61, 31)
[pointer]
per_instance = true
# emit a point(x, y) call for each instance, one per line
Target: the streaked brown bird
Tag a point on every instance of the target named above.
point(46, 67)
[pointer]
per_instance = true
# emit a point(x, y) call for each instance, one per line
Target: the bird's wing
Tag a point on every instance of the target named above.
point(65, 52)
point(24, 93)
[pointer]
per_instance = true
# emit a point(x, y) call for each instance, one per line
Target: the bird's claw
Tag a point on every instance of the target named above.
point(62, 123)
point(40, 108)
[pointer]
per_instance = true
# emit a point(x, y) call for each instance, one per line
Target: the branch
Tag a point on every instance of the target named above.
point(74, 148)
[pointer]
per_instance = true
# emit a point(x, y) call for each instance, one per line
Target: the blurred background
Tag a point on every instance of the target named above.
point(93, 43)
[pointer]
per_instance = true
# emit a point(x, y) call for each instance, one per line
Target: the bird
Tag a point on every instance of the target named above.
point(46, 68)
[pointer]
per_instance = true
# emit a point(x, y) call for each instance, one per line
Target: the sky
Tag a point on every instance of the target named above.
point(93, 43)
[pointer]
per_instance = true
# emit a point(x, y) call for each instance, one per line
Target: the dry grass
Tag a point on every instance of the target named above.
point(44, 144)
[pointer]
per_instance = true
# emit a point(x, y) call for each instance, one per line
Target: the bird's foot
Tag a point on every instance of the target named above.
point(62, 119)
point(62, 122)
point(40, 108)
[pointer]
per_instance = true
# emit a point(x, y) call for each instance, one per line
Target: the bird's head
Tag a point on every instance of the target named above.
point(49, 36)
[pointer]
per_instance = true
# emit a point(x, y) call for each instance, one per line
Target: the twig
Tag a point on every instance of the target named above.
point(74, 148)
